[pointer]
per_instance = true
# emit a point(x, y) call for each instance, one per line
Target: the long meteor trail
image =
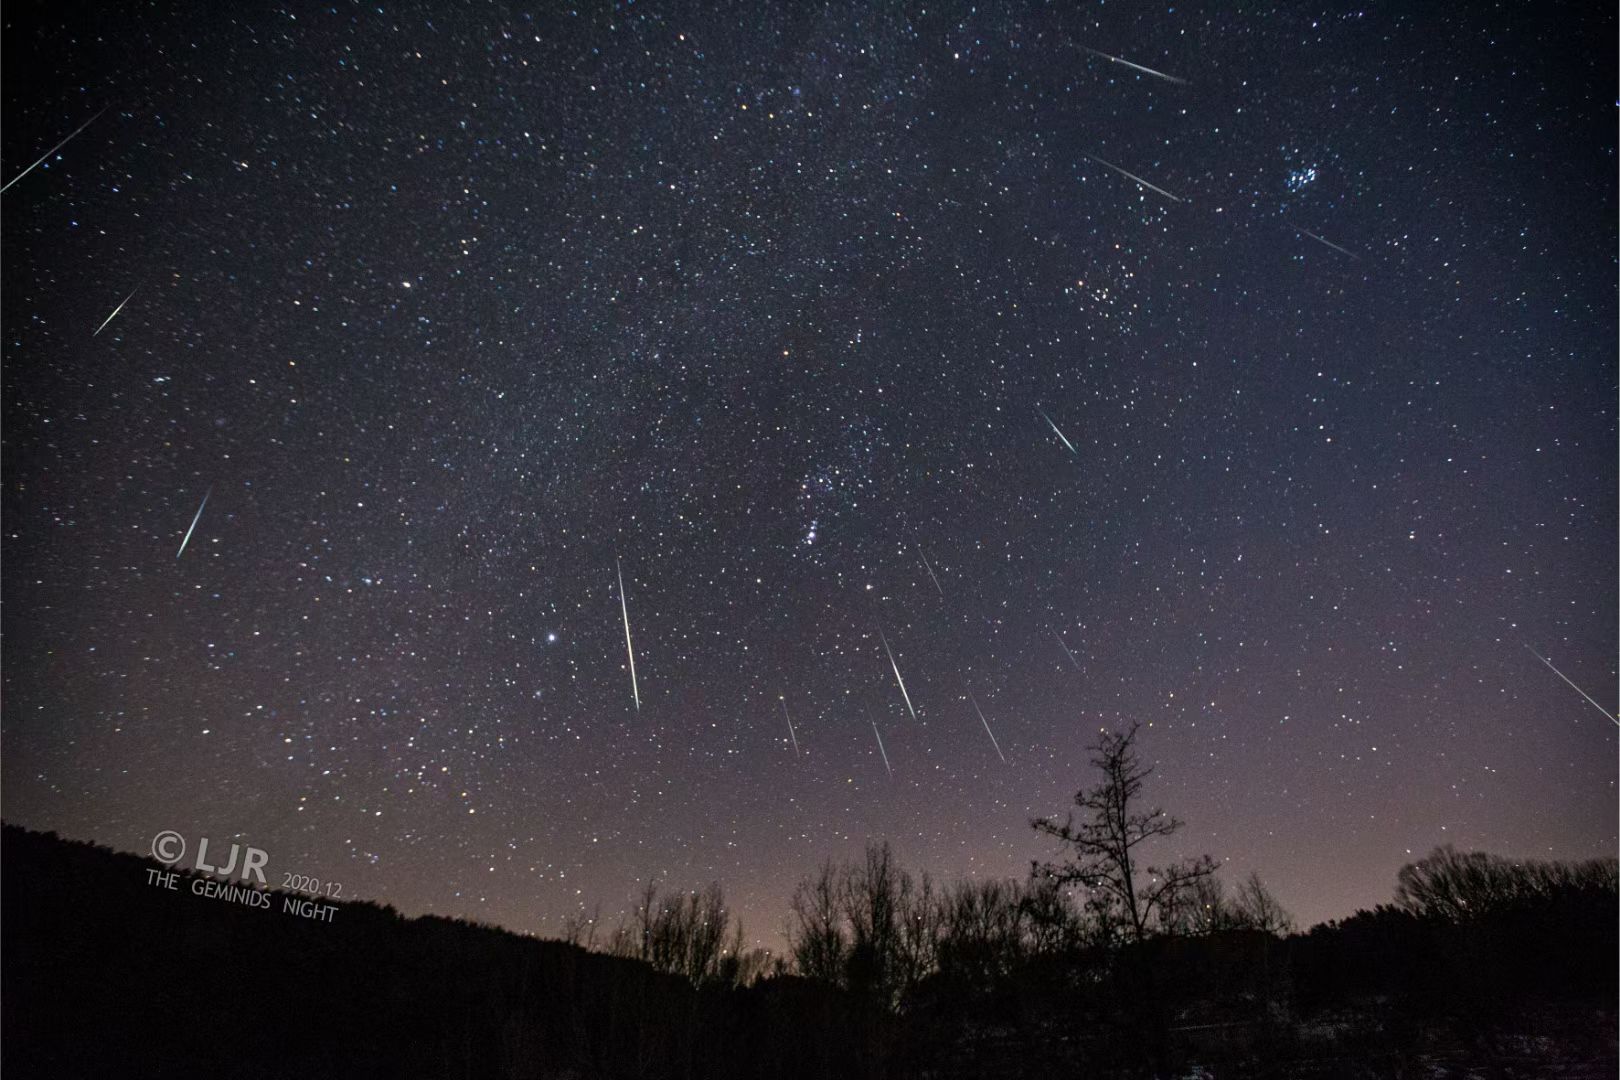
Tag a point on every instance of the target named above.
point(1136, 67)
point(882, 751)
point(1058, 431)
point(624, 608)
point(930, 569)
point(1577, 689)
point(986, 724)
point(115, 312)
point(1138, 179)
point(1066, 651)
point(1329, 243)
point(897, 677)
point(53, 150)
point(194, 521)
point(791, 733)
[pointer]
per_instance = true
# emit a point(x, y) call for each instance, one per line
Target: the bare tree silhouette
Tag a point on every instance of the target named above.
point(1257, 909)
point(816, 938)
point(1104, 859)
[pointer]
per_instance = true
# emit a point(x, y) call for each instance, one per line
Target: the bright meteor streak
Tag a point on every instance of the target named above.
point(1058, 431)
point(1138, 179)
point(986, 724)
point(1137, 67)
point(882, 751)
point(791, 734)
point(1329, 243)
point(1577, 689)
point(930, 569)
point(635, 690)
point(1066, 651)
point(194, 521)
point(897, 677)
point(114, 314)
point(53, 150)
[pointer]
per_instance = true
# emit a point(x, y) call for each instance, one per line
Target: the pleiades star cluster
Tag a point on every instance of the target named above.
point(908, 392)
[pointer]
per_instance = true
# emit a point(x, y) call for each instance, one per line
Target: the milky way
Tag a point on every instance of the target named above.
point(456, 311)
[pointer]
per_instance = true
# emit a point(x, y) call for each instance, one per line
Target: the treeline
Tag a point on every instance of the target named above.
point(873, 928)
point(1472, 936)
point(1467, 887)
point(1479, 960)
point(1098, 959)
point(1097, 963)
point(692, 935)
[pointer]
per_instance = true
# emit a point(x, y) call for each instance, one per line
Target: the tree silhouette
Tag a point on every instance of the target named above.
point(1257, 909)
point(816, 938)
point(1104, 842)
point(1460, 885)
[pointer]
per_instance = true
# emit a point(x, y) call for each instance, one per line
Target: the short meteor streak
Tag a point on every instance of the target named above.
point(986, 724)
point(1066, 651)
point(1329, 243)
point(114, 314)
point(1577, 689)
point(635, 689)
point(791, 733)
point(1136, 67)
point(1138, 179)
point(882, 751)
point(53, 150)
point(1058, 431)
point(930, 569)
point(897, 677)
point(194, 521)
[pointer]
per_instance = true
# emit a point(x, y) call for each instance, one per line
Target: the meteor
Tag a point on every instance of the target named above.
point(985, 722)
point(53, 150)
point(624, 608)
point(194, 521)
point(897, 677)
point(930, 569)
point(114, 315)
point(1066, 651)
point(882, 751)
point(1137, 67)
point(791, 734)
point(1059, 432)
point(1577, 689)
point(1329, 243)
point(1138, 179)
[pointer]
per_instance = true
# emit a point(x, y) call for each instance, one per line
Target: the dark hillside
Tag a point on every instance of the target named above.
point(108, 975)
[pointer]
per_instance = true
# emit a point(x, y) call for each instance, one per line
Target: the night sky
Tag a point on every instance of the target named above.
point(452, 311)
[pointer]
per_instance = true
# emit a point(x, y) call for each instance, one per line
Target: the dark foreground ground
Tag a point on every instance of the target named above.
point(107, 975)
